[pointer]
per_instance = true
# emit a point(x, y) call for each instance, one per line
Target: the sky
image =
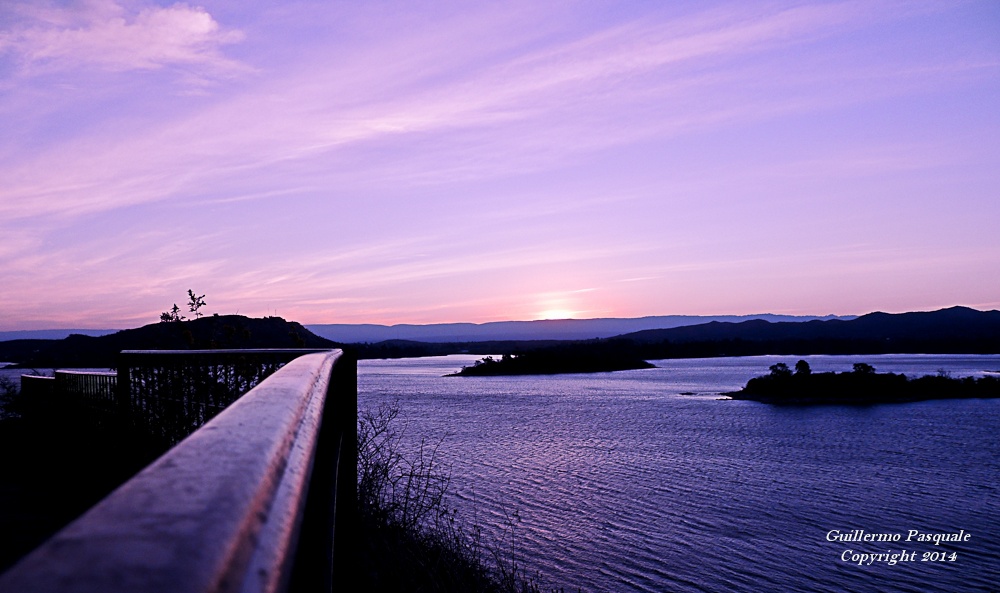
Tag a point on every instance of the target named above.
point(430, 162)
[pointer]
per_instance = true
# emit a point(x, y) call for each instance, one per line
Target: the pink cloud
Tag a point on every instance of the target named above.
point(103, 34)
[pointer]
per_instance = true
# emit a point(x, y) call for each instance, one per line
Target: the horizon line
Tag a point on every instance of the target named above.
point(482, 323)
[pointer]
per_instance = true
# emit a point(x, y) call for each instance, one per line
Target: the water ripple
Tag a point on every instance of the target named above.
point(615, 482)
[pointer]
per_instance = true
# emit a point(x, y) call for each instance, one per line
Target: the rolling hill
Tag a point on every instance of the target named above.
point(226, 331)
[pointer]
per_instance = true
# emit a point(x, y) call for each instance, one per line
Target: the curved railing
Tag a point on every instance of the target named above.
point(257, 499)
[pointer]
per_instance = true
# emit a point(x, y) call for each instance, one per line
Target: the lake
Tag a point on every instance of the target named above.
point(647, 481)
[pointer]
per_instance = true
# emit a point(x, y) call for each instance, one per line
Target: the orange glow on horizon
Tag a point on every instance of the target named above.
point(557, 314)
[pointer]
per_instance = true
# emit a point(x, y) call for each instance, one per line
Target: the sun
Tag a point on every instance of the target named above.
point(557, 314)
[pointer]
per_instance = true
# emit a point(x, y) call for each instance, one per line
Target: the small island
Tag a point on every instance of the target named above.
point(860, 386)
point(551, 362)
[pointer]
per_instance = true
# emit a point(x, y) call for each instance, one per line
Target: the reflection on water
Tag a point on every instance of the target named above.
point(620, 483)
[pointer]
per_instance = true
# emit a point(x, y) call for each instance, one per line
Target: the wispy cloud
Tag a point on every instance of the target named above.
point(108, 35)
point(535, 110)
point(475, 156)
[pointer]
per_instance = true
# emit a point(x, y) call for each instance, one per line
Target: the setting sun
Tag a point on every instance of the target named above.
point(557, 314)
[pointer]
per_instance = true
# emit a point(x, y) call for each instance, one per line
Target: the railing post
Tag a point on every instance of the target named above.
point(326, 545)
point(345, 411)
point(124, 386)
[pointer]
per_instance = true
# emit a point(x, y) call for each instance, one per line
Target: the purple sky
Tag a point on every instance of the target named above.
point(384, 162)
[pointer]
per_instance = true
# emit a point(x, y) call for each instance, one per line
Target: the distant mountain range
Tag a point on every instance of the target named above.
point(549, 329)
point(957, 330)
point(51, 334)
point(876, 330)
point(554, 329)
point(953, 330)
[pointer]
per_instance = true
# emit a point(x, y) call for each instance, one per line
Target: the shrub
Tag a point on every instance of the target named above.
point(8, 388)
point(411, 540)
point(8, 396)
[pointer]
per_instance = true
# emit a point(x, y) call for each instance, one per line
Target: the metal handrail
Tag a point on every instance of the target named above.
point(256, 500)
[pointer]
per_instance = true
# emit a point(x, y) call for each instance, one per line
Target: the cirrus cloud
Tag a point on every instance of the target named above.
point(106, 35)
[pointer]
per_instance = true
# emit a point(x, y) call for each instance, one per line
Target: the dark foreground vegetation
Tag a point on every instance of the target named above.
point(412, 541)
point(861, 386)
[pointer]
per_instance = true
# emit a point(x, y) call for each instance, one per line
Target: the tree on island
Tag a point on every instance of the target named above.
point(860, 386)
point(863, 368)
point(780, 370)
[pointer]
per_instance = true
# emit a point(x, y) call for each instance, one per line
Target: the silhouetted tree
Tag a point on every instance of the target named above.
point(863, 368)
point(174, 314)
point(802, 368)
point(780, 370)
point(195, 303)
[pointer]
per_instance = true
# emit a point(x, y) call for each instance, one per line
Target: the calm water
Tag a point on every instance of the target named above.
point(647, 481)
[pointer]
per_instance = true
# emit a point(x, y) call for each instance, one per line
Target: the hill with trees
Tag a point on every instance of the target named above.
point(216, 331)
point(946, 331)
